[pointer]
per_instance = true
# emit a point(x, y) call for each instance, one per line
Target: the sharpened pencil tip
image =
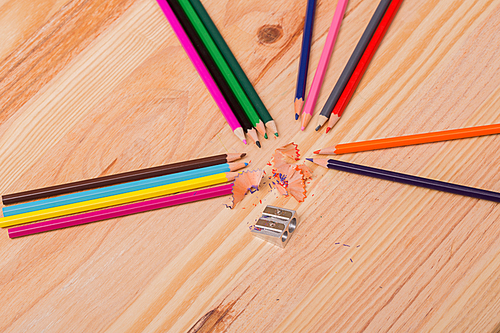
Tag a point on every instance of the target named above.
point(317, 151)
point(302, 128)
point(318, 128)
point(245, 141)
point(328, 129)
point(276, 134)
point(258, 144)
point(246, 164)
point(265, 136)
point(296, 116)
point(310, 159)
point(243, 154)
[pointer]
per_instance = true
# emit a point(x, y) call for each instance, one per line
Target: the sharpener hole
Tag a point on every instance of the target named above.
point(292, 225)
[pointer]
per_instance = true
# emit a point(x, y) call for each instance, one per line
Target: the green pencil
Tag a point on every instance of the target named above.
point(235, 66)
point(223, 67)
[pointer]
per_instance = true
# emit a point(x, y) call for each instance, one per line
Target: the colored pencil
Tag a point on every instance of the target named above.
point(407, 179)
point(114, 212)
point(235, 66)
point(408, 140)
point(223, 66)
point(107, 191)
point(324, 60)
point(202, 71)
point(118, 178)
point(213, 69)
point(352, 63)
point(304, 58)
point(360, 70)
point(117, 199)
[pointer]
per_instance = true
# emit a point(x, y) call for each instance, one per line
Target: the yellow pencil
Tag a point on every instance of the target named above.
point(117, 199)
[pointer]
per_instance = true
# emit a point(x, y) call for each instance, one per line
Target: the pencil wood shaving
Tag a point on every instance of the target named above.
point(285, 155)
point(288, 178)
point(247, 181)
point(291, 182)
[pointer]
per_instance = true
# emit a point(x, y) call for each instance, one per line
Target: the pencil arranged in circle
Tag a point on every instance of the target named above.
point(324, 60)
point(408, 140)
point(214, 70)
point(360, 70)
point(304, 58)
point(107, 191)
point(407, 179)
point(114, 212)
point(223, 66)
point(202, 71)
point(235, 66)
point(118, 178)
point(116, 200)
point(352, 63)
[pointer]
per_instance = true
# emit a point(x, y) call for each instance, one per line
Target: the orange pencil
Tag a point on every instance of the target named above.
point(407, 140)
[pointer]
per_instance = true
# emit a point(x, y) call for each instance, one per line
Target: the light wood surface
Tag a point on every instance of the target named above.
point(89, 88)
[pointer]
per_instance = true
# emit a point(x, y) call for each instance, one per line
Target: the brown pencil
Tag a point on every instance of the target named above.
point(87, 184)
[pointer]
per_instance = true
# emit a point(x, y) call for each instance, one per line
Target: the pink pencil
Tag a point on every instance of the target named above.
point(323, 63)
point(110, 213)
point(202, 70)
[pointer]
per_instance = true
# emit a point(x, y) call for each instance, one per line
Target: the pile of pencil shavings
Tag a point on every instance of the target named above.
point(288, 178)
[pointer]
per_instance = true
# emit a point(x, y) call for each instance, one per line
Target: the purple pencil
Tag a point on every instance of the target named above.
point(109, 213)
point(202, 70)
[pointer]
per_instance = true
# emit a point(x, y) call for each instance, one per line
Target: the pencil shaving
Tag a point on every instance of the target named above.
point(305, 171)
point(289, 178)
point(247, 181)
point(285, 155)
point(292, 182)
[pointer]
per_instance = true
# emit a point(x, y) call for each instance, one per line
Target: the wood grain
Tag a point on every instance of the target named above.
point(92, 88)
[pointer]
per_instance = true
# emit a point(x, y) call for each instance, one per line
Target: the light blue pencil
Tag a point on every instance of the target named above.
point(119, 189)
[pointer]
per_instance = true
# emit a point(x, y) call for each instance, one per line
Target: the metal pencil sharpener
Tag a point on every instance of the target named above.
point(276, 225)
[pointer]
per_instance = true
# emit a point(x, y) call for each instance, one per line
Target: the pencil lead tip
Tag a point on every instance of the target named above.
point(302, 128)
point(296, 116)
point(246, 164)
point(328, 129)
point(318, 128)
point(243, 155)
point(310, 160)
point(258, 144)
point(276, 134)
point(245, 141)
point(317, 151)
point(265, 136)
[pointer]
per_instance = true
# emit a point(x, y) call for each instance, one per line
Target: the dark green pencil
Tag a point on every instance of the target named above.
point(234, 65)
point(224, 68)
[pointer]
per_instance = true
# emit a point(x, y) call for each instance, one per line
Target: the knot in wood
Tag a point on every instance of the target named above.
point(269, 34)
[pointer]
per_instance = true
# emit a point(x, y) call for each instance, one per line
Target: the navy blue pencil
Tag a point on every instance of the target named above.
point(407, 179)
point(304, 58)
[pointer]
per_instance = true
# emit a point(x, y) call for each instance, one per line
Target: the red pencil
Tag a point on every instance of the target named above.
point(363, 63)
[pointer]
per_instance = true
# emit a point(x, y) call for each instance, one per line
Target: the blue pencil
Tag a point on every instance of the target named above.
point(119, 189)
point(405, 178)
point(304, 58)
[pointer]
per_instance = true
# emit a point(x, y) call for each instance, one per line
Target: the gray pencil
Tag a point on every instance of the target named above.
point(352, 63)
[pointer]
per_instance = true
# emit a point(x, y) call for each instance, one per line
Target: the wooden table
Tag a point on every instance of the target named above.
point(90, 88)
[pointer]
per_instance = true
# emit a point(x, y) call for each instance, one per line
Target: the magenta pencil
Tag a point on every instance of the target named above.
point(114, 212)
point(202, 70)
point(326, 54)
